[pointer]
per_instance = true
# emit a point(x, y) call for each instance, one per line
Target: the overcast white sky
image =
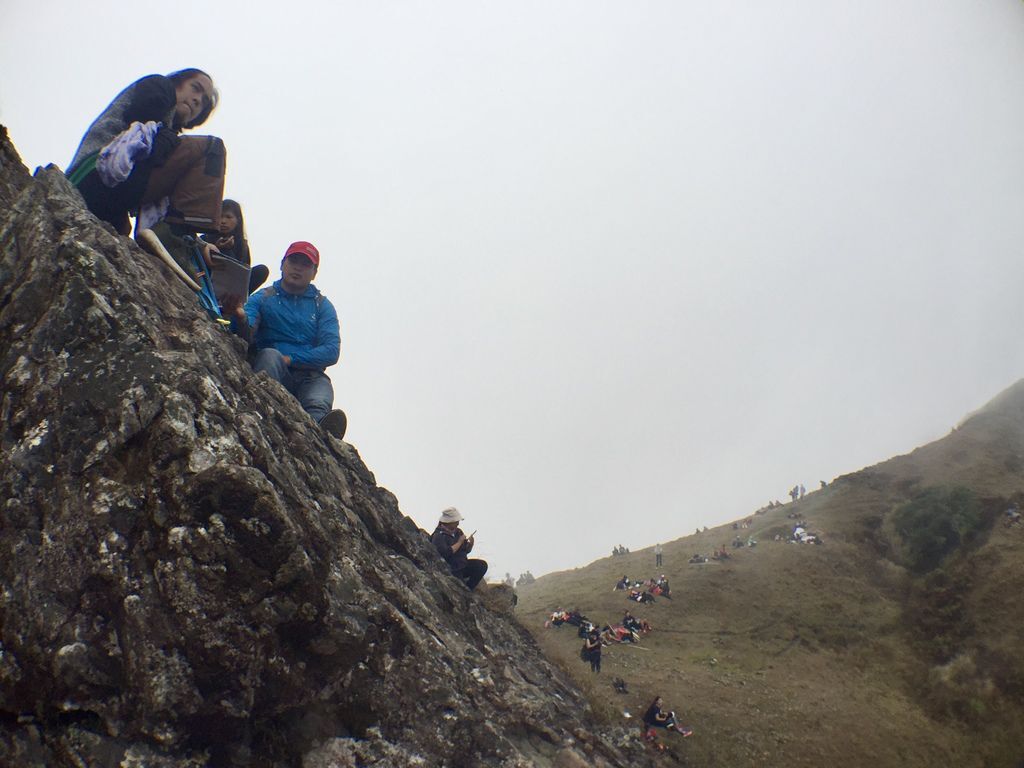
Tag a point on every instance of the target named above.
point(606, 271)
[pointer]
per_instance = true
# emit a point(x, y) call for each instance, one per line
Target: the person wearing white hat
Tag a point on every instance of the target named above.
point(454, 546)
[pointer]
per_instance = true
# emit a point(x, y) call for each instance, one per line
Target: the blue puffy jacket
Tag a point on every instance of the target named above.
point(301, 327)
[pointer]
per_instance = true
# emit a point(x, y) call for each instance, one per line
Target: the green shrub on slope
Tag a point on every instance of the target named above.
point(935, 523)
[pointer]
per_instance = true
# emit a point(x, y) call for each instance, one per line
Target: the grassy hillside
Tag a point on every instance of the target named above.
point(850, 653)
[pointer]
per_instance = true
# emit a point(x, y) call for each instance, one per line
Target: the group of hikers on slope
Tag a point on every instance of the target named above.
point(135, 161)
point(655, 716)
point(594, 642)
point(629, 630)
point(645, 591)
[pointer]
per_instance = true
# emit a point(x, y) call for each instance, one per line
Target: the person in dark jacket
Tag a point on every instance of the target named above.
point(454, 546)
point(593, 649)
point(132, 155)
point(654, 717)
point(230, 236)
point(295, 331)
point(231, 242)
point(631, 622)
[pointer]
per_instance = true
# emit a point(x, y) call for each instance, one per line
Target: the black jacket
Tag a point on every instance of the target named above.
point(150, 98)
point(443, 541)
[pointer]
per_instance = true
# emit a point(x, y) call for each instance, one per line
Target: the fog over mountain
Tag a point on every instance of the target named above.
point(596, 263)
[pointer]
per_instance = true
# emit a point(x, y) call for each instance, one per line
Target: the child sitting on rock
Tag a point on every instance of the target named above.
point(230, 240)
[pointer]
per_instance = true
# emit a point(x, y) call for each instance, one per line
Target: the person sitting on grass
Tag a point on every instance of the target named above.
point(575, 618)
point(661, 588)
point(632, 623)
point(619, 634)
point(558, 618)
point(654, 717)
point(629, 621)
point(640, 597)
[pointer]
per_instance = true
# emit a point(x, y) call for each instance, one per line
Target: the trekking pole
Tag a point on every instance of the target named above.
point(207, 293)
point(150, 242)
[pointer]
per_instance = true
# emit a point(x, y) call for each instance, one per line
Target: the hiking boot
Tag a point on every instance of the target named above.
point(335, 423)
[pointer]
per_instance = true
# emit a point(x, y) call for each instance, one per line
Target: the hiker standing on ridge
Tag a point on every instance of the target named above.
point(454, 546)
point(657, 555)
point(295, 330)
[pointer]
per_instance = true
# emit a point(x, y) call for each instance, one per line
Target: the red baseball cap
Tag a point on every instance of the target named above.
point(306, 249)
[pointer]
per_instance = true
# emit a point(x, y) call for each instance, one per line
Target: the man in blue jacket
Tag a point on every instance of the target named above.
point(295, 331)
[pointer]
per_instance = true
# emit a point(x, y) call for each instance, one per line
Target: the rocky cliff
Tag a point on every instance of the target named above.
point(192, 574)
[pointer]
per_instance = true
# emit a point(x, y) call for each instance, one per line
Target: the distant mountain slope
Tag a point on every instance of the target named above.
point(838, 654)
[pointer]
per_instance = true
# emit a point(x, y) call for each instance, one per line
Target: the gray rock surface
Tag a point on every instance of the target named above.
point(192, 574)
